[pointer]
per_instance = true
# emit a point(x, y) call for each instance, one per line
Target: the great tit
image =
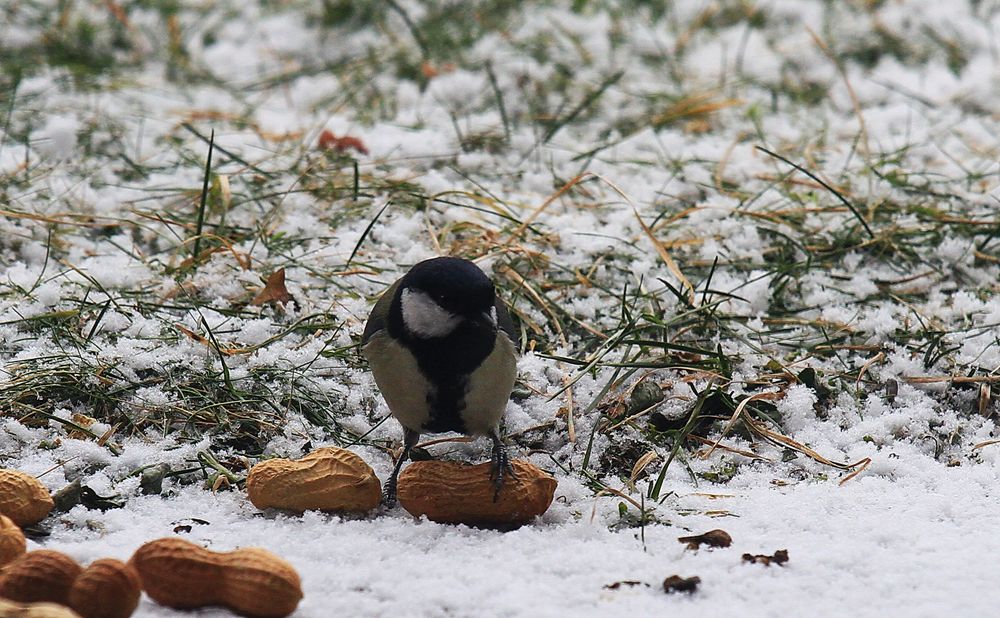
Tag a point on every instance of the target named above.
point(441, 348)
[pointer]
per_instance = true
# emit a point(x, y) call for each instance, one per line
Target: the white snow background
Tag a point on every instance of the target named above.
point(101, 181)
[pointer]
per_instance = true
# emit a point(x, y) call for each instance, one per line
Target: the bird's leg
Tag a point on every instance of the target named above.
point(500, 468)
point(410, 439)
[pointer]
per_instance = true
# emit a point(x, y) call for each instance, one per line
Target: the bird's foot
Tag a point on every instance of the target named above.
point(389, 494)
point(410, 438)
point(500, 468)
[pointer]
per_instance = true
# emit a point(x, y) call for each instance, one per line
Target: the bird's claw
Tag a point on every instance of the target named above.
point(500, 468)
point(410, 439)
point(389, 495)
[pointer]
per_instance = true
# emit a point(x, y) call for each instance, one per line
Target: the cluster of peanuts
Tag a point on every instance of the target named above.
point(249, 581)
point(173, 572)
point(335, 479)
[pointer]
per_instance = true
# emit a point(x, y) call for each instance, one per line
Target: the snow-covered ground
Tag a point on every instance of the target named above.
point(919, 543)
point(471, 131)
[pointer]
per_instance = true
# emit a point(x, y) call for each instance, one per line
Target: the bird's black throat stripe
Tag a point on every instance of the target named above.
point(447, 362)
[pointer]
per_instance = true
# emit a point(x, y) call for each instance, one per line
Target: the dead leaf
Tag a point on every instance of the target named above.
point(628, 582)
point(220, 482)
point(780, 557)
point(90, 499)
point(185, 528)
point(429, 71)
point(107, 434)
point(285, 136)
point(712, 538)
point(187, 288)
point(191, 334)
point(274, 290)
point(67, 497)
point(83, 421)
point(329, 141)
point(697, 125)
point(207, 342)
point(151, 479)
point(676, 583)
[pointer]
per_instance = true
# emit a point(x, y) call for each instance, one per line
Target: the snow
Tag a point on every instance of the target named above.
point(914, 544)
point(57, 139)
point(87, 240)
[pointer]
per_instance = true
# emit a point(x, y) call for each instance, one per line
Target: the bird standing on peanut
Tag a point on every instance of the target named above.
point(441, 348)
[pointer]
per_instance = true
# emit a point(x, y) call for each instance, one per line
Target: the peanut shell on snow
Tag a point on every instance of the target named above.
point(249, 581)
point(12, 541)
point(458, 493)
point(328, 479)
point(43, 575)
point(23, 498)
point(107, 588)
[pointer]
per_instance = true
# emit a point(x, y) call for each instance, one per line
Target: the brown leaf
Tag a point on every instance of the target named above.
point(191, 334)
point(284, 136)
point(628, 582)
point(676, 583)
point(430, 71)
point(83, 421)
point(613, 409)
point(207, 342)
point(187, 288)
point(274, 290)
point(780, 557)
point(220, 482)
point(712, 538)
point(101, 441)
point(329, 141)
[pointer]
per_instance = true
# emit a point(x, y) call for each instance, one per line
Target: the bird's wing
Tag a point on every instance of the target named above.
point(504, 321)
point(377, 319)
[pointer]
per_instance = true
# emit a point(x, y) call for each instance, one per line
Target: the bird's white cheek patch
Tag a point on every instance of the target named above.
point(425, 318)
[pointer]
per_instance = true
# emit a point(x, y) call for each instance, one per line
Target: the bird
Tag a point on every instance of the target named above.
point(441, 347)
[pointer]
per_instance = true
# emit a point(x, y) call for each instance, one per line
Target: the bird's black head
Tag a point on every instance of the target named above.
point(439, 294)
point(453, 283)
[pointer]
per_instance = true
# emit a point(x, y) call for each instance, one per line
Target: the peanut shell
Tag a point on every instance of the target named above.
point(328, 479)
point(42, 575)
point(23, 498)
point(10, 609)
point(250, 581)
point(107, 588)
point(453, 492)
point(12, 541)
